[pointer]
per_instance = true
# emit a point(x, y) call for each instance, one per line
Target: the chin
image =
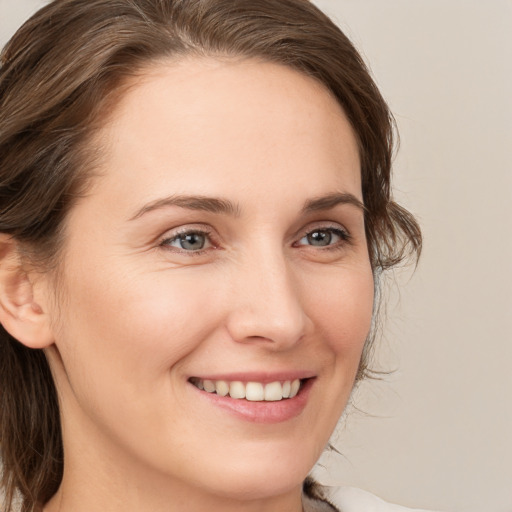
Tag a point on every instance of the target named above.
point(257, 484)
point(272, 472)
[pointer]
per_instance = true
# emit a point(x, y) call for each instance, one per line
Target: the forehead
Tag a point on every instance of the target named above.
point(221, 125)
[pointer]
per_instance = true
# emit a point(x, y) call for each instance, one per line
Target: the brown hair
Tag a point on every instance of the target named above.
point(61, 74)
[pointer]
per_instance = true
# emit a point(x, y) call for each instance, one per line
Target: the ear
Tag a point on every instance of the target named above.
point(21, 315)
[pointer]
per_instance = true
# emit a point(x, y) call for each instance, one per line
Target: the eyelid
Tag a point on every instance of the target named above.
point(204, 229)
point(174, 234)
point(341, 230)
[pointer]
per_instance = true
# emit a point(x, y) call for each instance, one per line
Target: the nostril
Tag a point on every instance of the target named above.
point(251, 327)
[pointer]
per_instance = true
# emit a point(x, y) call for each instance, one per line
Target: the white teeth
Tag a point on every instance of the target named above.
point(273, 392)
point(237, 390)
point(222, 387)
point(252, 391)
point(209, 386)
point(294, 388)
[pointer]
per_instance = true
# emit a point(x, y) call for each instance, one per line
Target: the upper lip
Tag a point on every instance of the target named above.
point(263, 377)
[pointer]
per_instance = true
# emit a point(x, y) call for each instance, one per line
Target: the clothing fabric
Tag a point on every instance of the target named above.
point(318, 498)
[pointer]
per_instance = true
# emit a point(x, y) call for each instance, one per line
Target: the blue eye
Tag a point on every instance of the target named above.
point(324, 237)
point(191, 241)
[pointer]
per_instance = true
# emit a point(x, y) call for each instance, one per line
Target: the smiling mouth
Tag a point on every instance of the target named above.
point(251, 391)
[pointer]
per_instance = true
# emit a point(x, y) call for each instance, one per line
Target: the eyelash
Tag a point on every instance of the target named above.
point(344, 238)
point(342, 234)
point(165, 243)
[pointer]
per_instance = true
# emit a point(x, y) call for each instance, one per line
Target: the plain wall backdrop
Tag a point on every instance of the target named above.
point(436, 433)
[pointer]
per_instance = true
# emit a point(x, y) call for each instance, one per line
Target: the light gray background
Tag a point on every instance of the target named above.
point(437, 432)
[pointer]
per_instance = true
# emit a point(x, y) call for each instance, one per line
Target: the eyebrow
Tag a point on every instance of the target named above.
point(330, 201)
point(224, 206)
point(201, 203)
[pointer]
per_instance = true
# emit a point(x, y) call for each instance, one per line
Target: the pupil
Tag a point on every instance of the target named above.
point(193, 241)
point(320, 238)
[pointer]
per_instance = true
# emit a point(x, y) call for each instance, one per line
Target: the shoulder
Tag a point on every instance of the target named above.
point(318, 498)
point(350, 499)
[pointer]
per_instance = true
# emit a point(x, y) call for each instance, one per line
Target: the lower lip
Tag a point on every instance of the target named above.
point(262, 412)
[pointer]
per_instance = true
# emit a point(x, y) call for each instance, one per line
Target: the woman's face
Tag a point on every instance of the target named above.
point(224, 241)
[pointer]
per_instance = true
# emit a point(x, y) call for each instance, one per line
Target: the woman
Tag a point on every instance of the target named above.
point(195, 212)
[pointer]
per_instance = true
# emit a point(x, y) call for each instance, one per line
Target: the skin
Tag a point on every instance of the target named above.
point(138, 315)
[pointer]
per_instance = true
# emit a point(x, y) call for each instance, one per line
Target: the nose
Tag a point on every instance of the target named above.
point(266, 304)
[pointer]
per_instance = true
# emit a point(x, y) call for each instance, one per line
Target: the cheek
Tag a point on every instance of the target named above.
point(150, 321)
point(132, 328)
point(342, 309)
point(122, 334)
point(122, 344)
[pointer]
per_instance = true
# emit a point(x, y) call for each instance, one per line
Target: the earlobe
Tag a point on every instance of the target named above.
point(20, 314)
